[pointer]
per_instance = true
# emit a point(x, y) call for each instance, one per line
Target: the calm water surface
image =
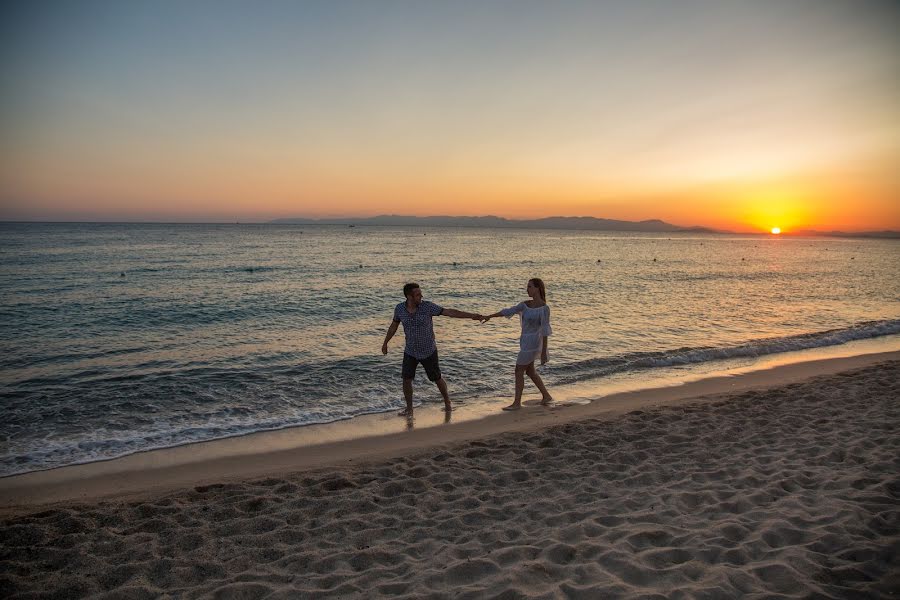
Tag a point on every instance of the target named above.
point(120, 338)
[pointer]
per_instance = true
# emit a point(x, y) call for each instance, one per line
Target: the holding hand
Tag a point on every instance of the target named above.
point(484, 318)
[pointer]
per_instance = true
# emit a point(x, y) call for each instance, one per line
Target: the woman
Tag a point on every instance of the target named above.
point(534, 315)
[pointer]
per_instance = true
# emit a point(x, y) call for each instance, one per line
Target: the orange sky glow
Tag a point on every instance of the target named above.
point(741, 117)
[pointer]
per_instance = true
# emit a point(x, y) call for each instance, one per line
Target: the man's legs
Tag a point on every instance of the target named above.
point(433, 370)
point(407, 394)
point(442, 385)
point(409, 373)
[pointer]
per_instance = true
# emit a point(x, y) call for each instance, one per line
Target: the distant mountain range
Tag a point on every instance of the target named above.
point(590, 223)
point(584, 223)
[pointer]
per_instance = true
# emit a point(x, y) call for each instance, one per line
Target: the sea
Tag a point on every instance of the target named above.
point(121, 338)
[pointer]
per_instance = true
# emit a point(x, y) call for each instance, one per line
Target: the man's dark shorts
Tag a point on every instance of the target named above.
point(432, 368)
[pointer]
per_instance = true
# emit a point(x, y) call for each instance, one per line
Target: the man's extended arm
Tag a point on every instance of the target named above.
point(458, 314)
point(390, 333)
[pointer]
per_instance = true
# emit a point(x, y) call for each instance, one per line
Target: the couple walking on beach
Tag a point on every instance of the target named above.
point(416, 315)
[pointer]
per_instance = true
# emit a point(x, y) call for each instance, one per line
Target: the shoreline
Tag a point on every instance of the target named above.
point(365, 440)
point(577, 392)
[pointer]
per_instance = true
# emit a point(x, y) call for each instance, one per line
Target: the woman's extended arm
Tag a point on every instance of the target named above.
point(487, 318)
point(506, 312)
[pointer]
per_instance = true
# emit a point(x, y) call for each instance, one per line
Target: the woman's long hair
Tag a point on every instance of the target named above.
point(539, 283)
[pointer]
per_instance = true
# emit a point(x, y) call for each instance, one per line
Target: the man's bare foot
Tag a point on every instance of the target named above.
point(406, 412)
point(546, 401)
point(512, 406)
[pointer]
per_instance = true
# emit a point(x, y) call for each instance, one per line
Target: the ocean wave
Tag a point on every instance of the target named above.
point(229, 416)
point(109, 444)
point(593, 368)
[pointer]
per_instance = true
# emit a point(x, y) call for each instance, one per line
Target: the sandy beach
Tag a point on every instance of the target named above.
point(785, 486)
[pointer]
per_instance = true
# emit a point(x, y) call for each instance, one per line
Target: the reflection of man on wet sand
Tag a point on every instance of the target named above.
point(416, 315)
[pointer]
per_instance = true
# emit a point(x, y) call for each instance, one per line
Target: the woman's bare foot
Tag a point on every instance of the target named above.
point(406, 412)
point(547, 400)
point(512, 406)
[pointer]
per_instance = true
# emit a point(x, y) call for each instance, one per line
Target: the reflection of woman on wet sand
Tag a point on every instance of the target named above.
point(535, 318)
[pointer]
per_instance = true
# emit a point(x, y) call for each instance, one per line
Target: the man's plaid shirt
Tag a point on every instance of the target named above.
point(418, 328)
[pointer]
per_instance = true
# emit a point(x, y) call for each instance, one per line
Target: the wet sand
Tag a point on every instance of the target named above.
point(781, 483)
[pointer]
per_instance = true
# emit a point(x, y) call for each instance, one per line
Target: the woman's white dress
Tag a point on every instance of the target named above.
point(535, 325)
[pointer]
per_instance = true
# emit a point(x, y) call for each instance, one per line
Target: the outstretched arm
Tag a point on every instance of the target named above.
point(506, 312)
point(459, 314)
point(390, 333)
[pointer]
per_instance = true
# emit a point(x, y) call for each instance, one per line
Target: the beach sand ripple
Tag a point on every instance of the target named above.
point(790, 492)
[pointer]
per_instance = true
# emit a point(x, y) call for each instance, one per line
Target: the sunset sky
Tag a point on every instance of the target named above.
point(735, 115)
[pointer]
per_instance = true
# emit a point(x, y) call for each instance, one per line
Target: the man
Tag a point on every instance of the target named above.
point(416, 315)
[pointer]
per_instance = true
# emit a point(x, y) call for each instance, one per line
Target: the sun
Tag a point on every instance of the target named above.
point(776, 230)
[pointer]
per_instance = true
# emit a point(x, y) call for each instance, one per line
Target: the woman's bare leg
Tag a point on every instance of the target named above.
point(520, 385)
point(546, 398)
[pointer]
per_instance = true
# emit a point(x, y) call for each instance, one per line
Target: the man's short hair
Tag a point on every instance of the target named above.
point(408, 289)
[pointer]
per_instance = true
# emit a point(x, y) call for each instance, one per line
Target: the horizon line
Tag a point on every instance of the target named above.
point(323, 221)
